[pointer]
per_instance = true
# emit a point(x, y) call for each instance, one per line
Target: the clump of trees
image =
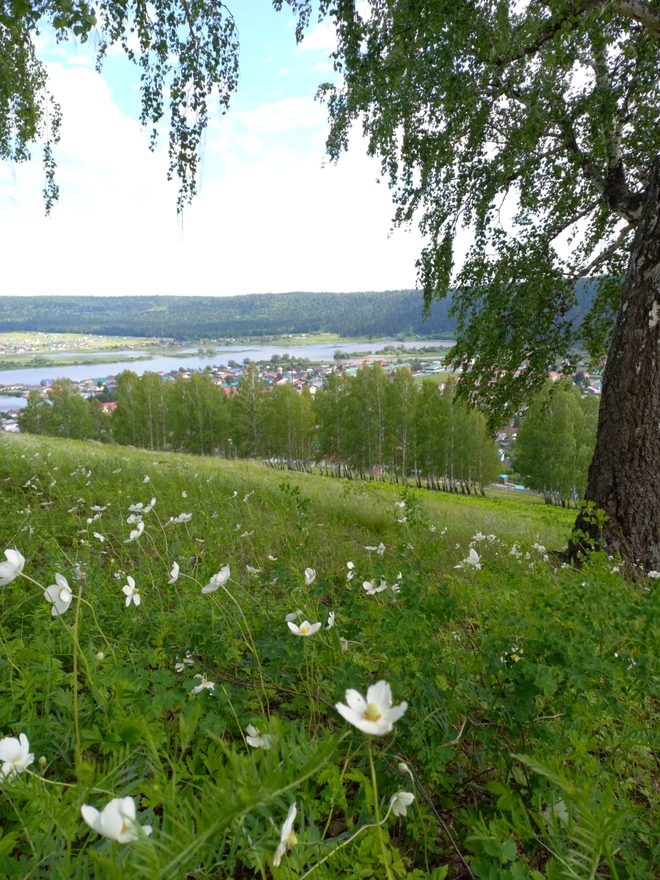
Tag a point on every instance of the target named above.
point(365, 426)
point(555, 443)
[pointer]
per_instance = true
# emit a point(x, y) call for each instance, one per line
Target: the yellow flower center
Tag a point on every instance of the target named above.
point(291, 840)
point(304, 629)
point(372, 712)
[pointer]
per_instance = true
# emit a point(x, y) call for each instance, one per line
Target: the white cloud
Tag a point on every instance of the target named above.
point(271, 214)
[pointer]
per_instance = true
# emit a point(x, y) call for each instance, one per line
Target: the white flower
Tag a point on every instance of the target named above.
point(99, 537)
point(181, 518)
point(135, 508)
point(288, 837)
point(380, 549)
point(180, 665)
point(478, 537)
point(400, 802)
point(131, 592)
point(217, 580)
point(557, 811)
point(11, 569)
point(59, 594)
point(473, 559)
point(204, 685)
point(174, 573)
point(252, 571)
point(272, 558)
point(652, 574)
point(331, 620)
point(257, 740)
point(146, 479)
point(116, 821)
point(149, 507)
point(305, 629)
point(15, 755)
point(294, 615)
point(135, 533)
point(375, 715)
point(371, 588)
point(310, 576)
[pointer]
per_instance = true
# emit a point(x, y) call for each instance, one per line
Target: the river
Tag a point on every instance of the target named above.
point(193, 360)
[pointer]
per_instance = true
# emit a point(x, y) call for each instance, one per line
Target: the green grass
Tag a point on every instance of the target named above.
point(528, 737)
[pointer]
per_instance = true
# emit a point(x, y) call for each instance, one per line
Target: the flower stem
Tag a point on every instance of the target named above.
point(76, 649)
point(379, 829)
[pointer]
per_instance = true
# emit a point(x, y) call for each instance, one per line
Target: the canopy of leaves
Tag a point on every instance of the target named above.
point(531, 124)
point(186, 50)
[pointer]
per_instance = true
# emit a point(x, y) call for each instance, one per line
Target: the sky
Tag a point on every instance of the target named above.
point(272, 213)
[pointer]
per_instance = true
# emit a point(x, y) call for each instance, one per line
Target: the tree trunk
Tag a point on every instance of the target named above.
point(624, 477)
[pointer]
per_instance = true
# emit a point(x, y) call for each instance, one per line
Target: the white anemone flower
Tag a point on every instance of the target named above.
point(310, 576)
point(174, 573)
point(204, 685)
point(217, 580)
point(400, 802)
point(131, 592)
point(116, 820)
point(472, 559)
point(258, 740)
point(371, 589)
point(15, 755)
point(180, 665)
point(305, 629)
point(288, 837)
point(294, 615)
point(135, 533)
point(59, 594)
point(331, 620)
point(375, 715)
point(149, 507)
point(11, 569)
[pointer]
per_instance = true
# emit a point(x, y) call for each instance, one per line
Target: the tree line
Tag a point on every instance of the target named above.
point(387, 313)
point(367, 426)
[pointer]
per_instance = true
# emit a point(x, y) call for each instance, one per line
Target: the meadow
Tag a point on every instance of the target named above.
point(190, 652)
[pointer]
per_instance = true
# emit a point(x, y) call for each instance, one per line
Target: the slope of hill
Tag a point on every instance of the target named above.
point(169, 676)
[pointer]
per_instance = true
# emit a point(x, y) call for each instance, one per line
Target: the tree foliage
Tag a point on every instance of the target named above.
point(370, 424)
point(186, 52)
point(533, 125)
point(555, 442)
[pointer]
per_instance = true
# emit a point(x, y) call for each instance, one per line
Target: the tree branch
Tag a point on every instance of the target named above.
point(604, 255)
point(641, 13)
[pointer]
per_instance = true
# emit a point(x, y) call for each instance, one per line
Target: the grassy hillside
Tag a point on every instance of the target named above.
point(525, 742)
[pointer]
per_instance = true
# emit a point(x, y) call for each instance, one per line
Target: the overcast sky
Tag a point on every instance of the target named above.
point(272, 214)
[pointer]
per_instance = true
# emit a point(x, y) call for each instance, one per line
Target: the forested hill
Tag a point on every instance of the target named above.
point(386, 313)
point(383, 313)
